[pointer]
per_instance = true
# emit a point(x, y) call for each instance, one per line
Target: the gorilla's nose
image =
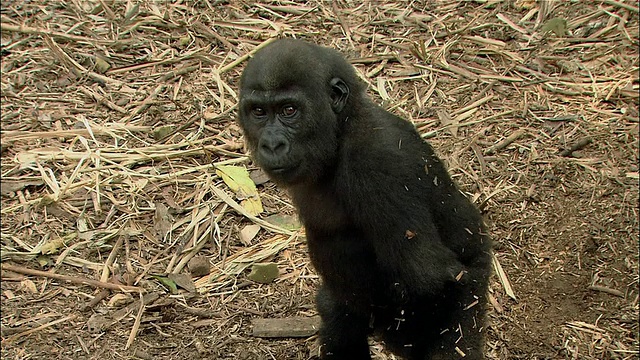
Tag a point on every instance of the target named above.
point(274, 146)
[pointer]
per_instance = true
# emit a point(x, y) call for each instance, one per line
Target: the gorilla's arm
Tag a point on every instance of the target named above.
point(385, 198)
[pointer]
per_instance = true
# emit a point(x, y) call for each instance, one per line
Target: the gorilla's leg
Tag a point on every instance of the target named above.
point(343, 334)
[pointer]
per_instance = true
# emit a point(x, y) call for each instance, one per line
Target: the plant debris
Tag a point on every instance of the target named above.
point(116, 118)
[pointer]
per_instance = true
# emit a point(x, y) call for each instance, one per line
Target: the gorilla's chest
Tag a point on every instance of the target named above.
point(347, 264)
point(342, 255)
point(321, 209)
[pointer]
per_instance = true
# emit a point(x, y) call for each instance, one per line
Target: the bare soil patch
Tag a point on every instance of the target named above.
point(115, 116)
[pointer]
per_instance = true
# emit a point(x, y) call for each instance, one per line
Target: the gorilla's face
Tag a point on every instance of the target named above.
point(290, 139)
point(289, 113)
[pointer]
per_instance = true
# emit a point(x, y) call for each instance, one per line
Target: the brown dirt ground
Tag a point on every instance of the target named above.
point(468, 74)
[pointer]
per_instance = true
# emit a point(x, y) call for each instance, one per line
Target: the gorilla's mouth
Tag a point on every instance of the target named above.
point(279, 170)
point(284, 173)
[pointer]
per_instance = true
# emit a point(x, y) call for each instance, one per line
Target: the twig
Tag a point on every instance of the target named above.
point(244, 57)
point(35, 31)
point(145, 103)
point(504, 143)
point(96, 299)
point(607, 290)
point(102, 100)
point(576, 146)
point(41, 327)
point(622, 5)
point(111, 258)
point(503, 278)
point(136, 324)
point(71, 279)
point(64, 57)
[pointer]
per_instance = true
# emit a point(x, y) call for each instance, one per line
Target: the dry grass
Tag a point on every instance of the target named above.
point(115, 115)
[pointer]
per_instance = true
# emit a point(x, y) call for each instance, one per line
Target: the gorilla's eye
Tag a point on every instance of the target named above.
point(289, 111)
point(258, 112)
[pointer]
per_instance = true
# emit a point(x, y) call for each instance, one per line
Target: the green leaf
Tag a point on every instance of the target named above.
point(44, 261)
point(237, 179)
point(184, 41)
point(162, 131)
point(557, 25)
point(168, 283)
point(264, 273)
point(288, 222)
point(102, 65)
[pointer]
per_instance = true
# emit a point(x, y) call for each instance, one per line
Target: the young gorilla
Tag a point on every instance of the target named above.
point(402, 253)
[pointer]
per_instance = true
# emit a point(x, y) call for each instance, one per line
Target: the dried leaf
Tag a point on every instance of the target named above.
point(54, 246)
point(162, 221)
point(184, 41)
point(29, 286)
point(448, 121)
point(81, 223)
point(248, 233)
point(119, 300)
point(184, 281)
point(199, 266)
point(382, 90)
point(162, 131)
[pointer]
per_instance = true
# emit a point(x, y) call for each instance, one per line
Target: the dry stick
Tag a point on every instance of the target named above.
point(576, 146)
point(473, 105)
point(35, 31)
point(504, 143)
point(145, 65)
point(343, 24)
point(65, 58)
point(111, 259)
point(41, 327)
point(237, 207)
point(607, 290)
point(175, 73)
point(503, 277)
point(71, 279)
point(96, 299)
point(624, 6)
point(244, 57)
point(102, 100)
point(199, 245)
point(189, 122)
point(207, 32)
point(10, 136)
point(515, 27)
point(144, 105)
point(136, 324)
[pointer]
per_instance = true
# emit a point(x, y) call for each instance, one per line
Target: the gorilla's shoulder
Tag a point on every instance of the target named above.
point(385, 144)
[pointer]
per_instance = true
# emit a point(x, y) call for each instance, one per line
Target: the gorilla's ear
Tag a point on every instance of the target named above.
point(339, 94)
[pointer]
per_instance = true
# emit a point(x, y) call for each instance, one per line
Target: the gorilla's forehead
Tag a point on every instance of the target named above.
point(282, 65)
point(271, 96)
point(279, 75)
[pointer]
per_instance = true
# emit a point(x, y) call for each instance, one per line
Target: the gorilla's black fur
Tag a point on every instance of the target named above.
point(402, 253)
